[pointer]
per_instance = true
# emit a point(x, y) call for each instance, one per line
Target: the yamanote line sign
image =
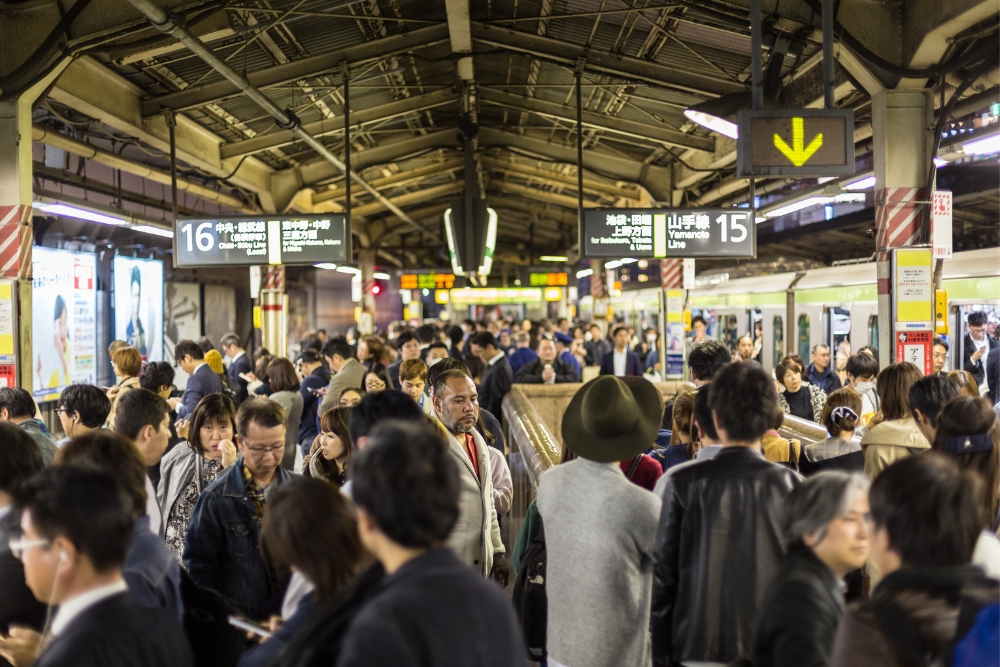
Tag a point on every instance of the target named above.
point(668, 233)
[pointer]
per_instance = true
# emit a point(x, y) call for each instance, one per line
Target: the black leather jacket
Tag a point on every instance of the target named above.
point(719, 547)
point(798, 620)
point(532, 373)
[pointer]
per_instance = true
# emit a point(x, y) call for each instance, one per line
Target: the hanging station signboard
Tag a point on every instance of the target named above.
point(667, 233)
point(800, 143)
point(246, 241)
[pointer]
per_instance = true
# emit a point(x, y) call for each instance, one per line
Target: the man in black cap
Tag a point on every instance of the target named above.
point(599, 527)
point(563, 342)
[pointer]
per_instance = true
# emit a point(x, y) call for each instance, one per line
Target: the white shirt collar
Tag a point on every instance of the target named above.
point(199, 366)
point(72, 608)
point(623, 353)
point(4, 511)
point(496, 358)
point(241, 353)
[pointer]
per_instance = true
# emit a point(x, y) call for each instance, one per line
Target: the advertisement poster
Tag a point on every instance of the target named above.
point(138, 305)
point(64, 323)
point(182, 321)
point(220, 312)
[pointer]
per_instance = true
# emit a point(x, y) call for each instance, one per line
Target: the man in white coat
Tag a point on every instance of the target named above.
point(476, 536)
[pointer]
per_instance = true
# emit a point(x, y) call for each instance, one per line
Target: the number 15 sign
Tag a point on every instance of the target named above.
point(665, 233)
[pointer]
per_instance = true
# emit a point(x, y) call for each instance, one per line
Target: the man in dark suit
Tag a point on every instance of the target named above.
point(20, 460)
point(993, 375)
point(76, 530)
point(547, 368)
point(431, 604)
point(621, 361)
point(202, 380)
point(239, 363)
point(977, 346)
point(498, 377)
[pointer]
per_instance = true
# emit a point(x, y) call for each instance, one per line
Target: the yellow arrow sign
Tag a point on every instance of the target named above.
point(796, 153)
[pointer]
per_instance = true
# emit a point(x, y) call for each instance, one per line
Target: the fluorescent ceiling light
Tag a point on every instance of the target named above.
point(349, 269)
point(715, 123)
point(984, 146)
point(329, 266)
point(760, 218)
point(939, 162)
point(378, 275)
point(614, 264)
point(553, 258)
point(79, 213)
point(861, 184)
point(629, 260)
point(456, 264)
point(156, 231)
point(491, 243)
point(797, 206)
point(584, 273)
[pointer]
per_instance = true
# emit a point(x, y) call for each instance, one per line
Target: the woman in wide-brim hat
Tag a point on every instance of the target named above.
point(600, 528)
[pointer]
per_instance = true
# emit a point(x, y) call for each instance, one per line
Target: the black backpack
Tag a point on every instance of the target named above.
point(214, 642)
point(530, 599)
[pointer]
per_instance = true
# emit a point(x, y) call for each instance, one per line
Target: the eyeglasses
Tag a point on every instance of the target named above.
point(18, 546)
point(266, 450)
point(61, 411)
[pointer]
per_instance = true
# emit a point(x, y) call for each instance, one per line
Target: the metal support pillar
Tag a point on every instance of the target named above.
point(366, 262)
point(829, 97)
point(579, 162)
point(346, 73)
point(756, 51)
point(900, 128)
point(15, 222)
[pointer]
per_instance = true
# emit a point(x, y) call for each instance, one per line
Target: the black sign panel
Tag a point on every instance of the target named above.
point(668, 233)
point(248, 241)
point(795, 142)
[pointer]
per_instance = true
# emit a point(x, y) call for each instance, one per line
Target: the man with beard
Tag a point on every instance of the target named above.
point(476, 536)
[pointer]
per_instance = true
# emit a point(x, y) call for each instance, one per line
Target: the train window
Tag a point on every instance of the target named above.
point(729, 330)
point(804, 336)
point(873, 331)
point(779, 339)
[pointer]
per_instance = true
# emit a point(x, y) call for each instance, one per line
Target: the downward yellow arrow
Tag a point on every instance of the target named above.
point(796, 153)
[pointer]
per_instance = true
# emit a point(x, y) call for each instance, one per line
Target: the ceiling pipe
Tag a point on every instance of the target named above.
point(286, 120)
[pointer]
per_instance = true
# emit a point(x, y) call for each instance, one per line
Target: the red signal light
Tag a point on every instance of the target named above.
point(376, 289)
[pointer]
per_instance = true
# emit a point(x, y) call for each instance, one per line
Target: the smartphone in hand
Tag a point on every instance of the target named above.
point(248, 626)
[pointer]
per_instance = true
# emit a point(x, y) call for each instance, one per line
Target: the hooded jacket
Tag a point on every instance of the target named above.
point(890, 441)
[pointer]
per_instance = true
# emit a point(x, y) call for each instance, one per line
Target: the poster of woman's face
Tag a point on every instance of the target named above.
point(138, 303)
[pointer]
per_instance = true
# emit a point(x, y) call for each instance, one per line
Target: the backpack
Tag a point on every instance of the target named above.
point(214, 642)
point(530, 600)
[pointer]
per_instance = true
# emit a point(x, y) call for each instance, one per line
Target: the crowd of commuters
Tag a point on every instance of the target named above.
point(344, 507)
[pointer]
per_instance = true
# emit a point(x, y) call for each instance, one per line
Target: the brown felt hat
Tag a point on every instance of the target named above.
point(612, 418)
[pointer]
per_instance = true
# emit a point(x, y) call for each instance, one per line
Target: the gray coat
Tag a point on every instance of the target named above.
point(349, 376)
point(600, 532)
point(177, 469)
point(476, 535)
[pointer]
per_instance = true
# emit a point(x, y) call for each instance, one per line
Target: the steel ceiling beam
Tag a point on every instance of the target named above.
point(589, 184)
point(624, 67)
point(401, 179)
point(656, 179)
point(410, 198)
point(376, 49)
point(327, 126)
point(628, 128)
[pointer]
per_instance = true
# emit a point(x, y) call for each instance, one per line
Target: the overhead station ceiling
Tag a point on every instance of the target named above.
point(416, 66)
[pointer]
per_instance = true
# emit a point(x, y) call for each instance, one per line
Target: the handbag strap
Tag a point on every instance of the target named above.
point(632, 468)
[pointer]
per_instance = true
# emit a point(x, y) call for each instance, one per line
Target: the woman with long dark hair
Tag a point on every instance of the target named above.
point(332, 449)
point(191, 466)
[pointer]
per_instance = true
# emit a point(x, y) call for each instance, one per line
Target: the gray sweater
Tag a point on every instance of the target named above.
point(600, 531)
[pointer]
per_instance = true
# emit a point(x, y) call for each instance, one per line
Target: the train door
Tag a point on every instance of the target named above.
point(731, 323)
point(864, 326)
point(960, 339)
point(809, 330)
point(772, 322)
point(838, 334)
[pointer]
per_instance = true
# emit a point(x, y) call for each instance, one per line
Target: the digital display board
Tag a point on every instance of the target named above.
point(550, 279)
point(795, 142)
point(64, 320)
point(427, 281)
point(247, 241)
point(668, 233)
point(138, 302)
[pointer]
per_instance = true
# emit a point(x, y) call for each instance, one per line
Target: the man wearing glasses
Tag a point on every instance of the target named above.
point(221, 551)
point(977, 345)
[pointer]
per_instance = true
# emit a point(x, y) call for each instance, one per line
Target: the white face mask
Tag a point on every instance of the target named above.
point(588, 337)
point(864, 387)
point(433, 361)
point(650, 338)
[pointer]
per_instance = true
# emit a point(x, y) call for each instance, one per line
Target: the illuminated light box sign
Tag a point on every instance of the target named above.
point(427, 281)
point(490, 296)
point(668, 233)
point(248, 241)
point(795, 142)
point(550, 279)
